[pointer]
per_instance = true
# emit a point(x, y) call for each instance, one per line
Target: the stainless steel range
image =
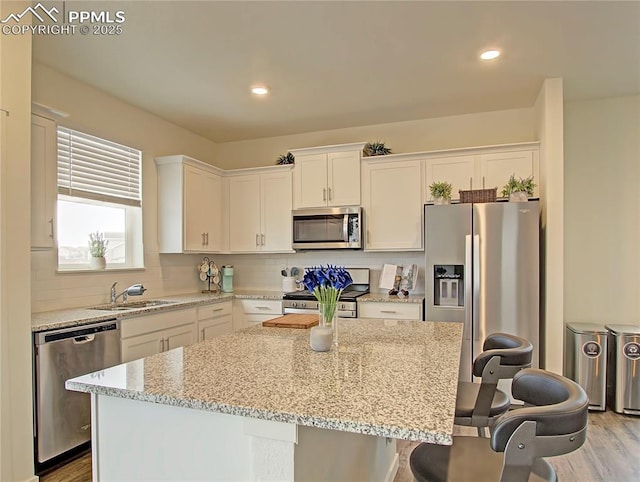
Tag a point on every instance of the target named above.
point(305, 302)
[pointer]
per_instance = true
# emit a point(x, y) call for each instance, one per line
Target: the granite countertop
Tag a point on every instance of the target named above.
point(52, 320)
point(386, 378)
point(387, 298)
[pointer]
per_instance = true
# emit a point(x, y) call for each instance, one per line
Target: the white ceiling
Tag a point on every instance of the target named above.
point(342, 64)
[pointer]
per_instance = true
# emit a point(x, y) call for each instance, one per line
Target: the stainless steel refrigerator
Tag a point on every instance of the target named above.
point(482, 269)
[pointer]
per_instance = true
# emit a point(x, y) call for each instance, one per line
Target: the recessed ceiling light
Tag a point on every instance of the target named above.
point(260, 90)
point(490, 54)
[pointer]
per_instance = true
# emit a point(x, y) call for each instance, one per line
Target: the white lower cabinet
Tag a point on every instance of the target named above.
point(390, 310)
point(146, 335)
point(252, 312)
point(214, 319)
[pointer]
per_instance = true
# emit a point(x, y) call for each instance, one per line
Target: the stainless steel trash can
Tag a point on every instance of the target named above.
point(585, 360)
point(623, 385)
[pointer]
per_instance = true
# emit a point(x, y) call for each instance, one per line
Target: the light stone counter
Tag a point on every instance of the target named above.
point(394, 379)
point(53, 320)
point(387, 298)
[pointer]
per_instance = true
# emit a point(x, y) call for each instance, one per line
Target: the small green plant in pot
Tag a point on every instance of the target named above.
point(97, 250)
point(287, 158)
point(376, 149)
point(441, 192)
point(518, 189)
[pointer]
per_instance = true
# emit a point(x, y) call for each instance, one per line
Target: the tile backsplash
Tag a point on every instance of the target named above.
point(262, 271)
point(169, 274)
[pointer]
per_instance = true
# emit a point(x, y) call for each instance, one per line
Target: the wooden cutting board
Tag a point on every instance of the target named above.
point(293, 320)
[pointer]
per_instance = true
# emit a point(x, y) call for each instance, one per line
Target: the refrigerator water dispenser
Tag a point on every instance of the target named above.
point(448, 282)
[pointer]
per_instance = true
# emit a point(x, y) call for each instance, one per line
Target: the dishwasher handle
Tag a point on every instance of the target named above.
point(81, 340)
point(79, 334)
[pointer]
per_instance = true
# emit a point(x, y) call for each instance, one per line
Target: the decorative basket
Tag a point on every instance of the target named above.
point(478, 195)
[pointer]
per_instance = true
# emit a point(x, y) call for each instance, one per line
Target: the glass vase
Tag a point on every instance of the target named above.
point(327, 317)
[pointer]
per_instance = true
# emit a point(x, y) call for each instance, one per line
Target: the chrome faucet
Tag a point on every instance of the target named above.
point(133, 290)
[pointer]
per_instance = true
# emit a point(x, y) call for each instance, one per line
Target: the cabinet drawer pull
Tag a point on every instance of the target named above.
point(388, 311)
point(262, 308)
point(218, 309)
point(202, 338)
point(167, 344)
point(207, 238)
point(257, 240)
point(161, 345)
point(262, 239)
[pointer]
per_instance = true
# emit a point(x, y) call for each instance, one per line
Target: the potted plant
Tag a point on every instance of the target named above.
point(518, 190)
point(97, 249)
point(441, 192)
point(376, 149)
point(287, 158)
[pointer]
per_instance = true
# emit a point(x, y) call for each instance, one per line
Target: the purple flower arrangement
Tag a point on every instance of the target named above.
point(326, 284)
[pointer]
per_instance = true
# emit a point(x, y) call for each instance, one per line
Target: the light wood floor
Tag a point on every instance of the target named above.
point(610, 454)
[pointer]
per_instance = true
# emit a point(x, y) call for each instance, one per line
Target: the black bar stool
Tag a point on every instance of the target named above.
point(556, 424)
point(477, 404)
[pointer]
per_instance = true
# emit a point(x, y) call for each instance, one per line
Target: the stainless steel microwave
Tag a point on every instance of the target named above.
point(327, 228)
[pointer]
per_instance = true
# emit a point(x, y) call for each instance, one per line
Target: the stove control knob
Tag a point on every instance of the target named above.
point(294, 304)
point(303, 305)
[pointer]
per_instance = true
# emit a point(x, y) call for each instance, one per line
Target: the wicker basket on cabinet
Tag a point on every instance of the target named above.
point(478, 195)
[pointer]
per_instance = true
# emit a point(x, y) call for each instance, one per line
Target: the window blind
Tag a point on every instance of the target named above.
point(95, 168)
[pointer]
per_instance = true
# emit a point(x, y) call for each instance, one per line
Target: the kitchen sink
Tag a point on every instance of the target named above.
point(132, 305)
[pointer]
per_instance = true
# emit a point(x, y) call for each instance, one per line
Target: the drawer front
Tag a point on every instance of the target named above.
point(391, 311)
point(261, 307)
point(253, 319)
point(140, 325)
point(214, 310)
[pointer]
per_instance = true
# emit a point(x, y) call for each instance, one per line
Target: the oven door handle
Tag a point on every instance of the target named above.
point(303, 311)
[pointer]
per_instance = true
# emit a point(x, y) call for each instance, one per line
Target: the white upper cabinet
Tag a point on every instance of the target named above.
point(43, 181)
point(460, 171)
point(392, 204)
point(327, 176)
point(190, 206)
point(260, 210)
point(482, 168)
point(496, 168)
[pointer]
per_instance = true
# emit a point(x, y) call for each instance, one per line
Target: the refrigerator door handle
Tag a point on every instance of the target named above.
point(468, 284)
point(476, 287)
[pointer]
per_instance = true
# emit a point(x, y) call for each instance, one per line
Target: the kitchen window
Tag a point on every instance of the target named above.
point(99, 189)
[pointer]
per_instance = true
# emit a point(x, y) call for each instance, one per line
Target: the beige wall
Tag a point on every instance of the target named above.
point(549, 129)
point(602, 205)
point(93, 111)
point(487, 128)
point(16, 443)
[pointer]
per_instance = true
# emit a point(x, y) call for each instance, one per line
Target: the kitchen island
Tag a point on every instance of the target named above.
point(259, 404)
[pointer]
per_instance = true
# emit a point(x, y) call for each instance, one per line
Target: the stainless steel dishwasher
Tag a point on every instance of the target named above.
point(62, 417)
